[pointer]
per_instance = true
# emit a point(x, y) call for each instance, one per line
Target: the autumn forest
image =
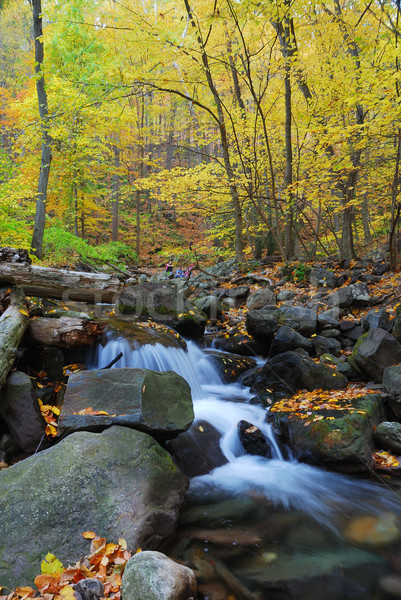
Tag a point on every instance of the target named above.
point(248, 128)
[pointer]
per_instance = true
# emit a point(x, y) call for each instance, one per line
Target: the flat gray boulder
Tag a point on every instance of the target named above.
point(157, 403)
point(154, 576)
point(119, 483)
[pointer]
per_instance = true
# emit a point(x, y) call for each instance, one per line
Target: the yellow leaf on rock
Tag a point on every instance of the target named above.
point(24, 312)
point(51, 564)
point(89, 535)
point(122, 543)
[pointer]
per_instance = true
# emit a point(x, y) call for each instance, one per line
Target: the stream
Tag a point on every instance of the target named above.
point(271, 529)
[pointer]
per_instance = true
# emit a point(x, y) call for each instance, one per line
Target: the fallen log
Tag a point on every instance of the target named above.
point(13, 323)
point(65, 332)
point(46, 282)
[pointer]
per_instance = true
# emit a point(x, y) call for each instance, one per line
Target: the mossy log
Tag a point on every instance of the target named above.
point(66, 285)
point(13, 323)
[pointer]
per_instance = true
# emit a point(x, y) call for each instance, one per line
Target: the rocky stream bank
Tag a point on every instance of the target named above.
point(112, 450)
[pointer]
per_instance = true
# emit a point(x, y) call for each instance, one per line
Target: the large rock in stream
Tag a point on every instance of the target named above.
point(289, 372)
point(157, 403)
point(340, 438)
point(119, 483)
point(163, 303)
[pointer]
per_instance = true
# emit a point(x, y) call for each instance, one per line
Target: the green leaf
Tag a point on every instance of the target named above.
point(51, 565)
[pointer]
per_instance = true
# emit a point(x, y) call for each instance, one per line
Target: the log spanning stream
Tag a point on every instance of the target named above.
point(272, 529)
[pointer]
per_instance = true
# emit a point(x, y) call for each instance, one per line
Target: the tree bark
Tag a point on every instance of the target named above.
point(65, 332)
point(239, 252)
point(116, 194)
point(13, 323)
point(61, 284)
point(46, 158)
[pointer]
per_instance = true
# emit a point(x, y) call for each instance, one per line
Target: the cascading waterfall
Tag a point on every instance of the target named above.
point(326, 496)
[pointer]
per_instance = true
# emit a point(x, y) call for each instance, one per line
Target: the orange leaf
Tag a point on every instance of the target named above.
point(89, 535)
point(51, 431)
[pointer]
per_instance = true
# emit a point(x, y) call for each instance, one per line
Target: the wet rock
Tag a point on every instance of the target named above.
point(391, 586)
point(230, 366)
point(163, 303)
point(341, 439)
point(376, 317)
point(19, 408)
point(140, 334)
point(289, 372)
point(343, 574)
point(197, 451)
point(154, 576)
point(376, 350)
point(238, 536)
point(388, 436)
point(253, 440)
point(241, 344)
point(392, 384)
point(288, 339)
point(260, 298)
point(158, 403)
point(120, 483)
point(325, 345)
point(373, 530)
point(320, 277)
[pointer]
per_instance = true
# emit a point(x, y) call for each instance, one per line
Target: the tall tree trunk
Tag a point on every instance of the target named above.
point(289, 225)
point(46, 158)
point(223, 139)
point(395, 204)
point(116, 194)
point(138, 223)
point(75, 207)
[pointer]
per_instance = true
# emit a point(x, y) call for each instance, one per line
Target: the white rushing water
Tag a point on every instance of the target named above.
point(326, 496)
